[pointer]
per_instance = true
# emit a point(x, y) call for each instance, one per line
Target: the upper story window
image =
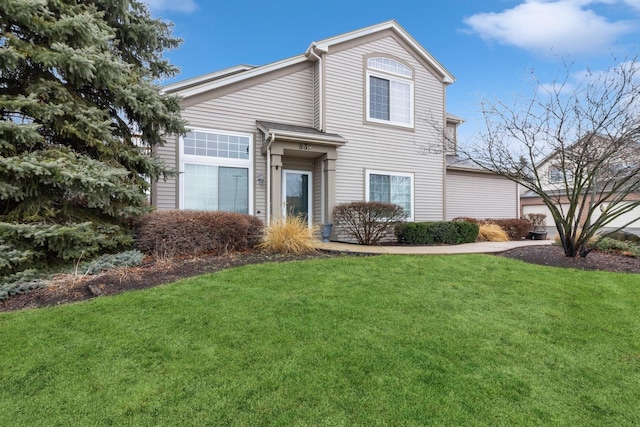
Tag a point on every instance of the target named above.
point(558, 175)
point(389, 92)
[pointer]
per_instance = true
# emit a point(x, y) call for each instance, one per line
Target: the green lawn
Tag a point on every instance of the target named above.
point(388, 340)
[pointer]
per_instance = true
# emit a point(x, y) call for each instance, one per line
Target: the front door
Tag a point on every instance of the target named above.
point(296, 194)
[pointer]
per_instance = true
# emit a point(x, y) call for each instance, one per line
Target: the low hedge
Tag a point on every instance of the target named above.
point(171, 233)
point(432, 233)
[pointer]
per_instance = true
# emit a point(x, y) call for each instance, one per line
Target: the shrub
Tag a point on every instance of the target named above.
point(515, 228)
point(170, 233)
point(430, 233)
point(492, 233)
point(368, 222)
point(110, 261)
point(468, 231)
point(538, 221)
point(626, 248)
point(624, 236)
point(40, 245)
point(19, 283)
point(290, 236)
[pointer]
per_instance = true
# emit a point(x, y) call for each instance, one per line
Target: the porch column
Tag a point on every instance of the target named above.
point(329, 169)
point(275, 204)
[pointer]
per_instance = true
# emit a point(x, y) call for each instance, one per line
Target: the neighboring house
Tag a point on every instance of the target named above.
point(559, 168)
point(355, 117)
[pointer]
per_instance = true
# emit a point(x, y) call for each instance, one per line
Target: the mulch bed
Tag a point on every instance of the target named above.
point(71, 288)
point(554, 256)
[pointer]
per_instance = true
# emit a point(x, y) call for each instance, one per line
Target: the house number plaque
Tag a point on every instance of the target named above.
point(305, 147)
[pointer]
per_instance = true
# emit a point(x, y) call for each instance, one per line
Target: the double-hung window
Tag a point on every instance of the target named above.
point(216, 169)
point(389, 92)
point(391, 187)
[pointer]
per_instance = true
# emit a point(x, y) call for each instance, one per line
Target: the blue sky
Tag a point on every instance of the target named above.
point(490, 46)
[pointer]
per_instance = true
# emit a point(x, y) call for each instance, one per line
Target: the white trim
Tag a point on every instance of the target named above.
point(393, 25)
point(390, 78)
point(369, 172)
point(216, 161)
point(309, 191)
point(185, 89)
point(398, 64)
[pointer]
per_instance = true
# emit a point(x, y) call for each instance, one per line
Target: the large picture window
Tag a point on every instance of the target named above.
point(216, 169)
point(389, 92)
point(391, 187)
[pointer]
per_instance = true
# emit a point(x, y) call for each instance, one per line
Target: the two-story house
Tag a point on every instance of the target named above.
point(359, 116)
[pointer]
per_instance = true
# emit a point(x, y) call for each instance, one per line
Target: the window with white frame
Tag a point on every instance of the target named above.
point(389, 92)
point(557, 175)
point(216, 167)
point(391, 187)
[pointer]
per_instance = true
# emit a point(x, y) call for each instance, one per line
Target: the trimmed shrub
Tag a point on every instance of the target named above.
point(290, 236)
point(171, 233)
point(467, 231)
point(431, 233)
point(515, 228)
point(368, 222)
point(492, 233)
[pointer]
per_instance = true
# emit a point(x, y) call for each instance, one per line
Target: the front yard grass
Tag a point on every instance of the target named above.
point(387, 340)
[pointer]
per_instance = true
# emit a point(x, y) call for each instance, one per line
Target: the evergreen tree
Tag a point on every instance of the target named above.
point(80, 113)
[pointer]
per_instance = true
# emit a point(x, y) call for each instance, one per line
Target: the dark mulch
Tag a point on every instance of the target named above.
point(554, 256)
point(73, 288)
point(70, 288)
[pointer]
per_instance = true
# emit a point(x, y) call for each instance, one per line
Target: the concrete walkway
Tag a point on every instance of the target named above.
point(466, 248)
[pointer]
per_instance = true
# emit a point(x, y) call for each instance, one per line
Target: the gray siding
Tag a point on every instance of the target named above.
point(316, 95)
point(164, 194)
point(285, 99)
point(479, 195)
point(382, 147)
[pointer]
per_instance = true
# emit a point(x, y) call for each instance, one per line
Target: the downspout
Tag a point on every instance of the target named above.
point(312, 51)
point(271, 138)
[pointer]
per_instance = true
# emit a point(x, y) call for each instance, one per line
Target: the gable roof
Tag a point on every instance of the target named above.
point(326, 44)
point(207, 82)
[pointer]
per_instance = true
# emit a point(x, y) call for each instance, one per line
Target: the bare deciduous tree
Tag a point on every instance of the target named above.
point(576, 144)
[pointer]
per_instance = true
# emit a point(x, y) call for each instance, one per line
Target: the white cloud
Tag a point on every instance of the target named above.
point(633, 3)
point(184, 6)
point(563, 26)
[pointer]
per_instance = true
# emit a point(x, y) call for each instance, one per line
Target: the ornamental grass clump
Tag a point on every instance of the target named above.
point(290, 236)
point(492, 233)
